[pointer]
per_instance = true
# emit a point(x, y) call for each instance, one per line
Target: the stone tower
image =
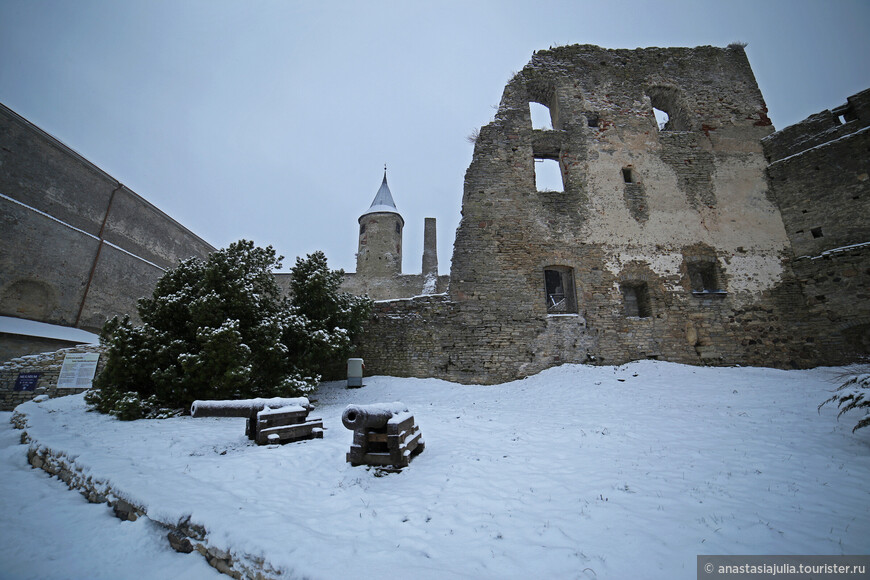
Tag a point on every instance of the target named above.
point(380, 237)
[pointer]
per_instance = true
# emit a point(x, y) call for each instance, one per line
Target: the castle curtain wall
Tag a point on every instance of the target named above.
point(78, 247)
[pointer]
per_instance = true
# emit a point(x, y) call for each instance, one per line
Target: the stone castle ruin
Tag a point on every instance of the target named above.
point(708, 239)
point(664, 242)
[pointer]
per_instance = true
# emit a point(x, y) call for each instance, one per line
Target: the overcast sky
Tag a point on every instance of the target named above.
point(272, 120)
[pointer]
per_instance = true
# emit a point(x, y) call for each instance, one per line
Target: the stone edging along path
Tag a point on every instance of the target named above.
point(184, 536)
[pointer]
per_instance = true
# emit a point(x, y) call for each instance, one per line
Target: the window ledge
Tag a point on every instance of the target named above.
point(709, 293)
point(562, 315)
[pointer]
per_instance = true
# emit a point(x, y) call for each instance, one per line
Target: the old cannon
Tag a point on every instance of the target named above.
point(383, 434)
point(275, 420)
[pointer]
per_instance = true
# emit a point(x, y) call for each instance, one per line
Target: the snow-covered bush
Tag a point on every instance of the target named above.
point(334, 317)
point(852, 395)
point(130, 406)
point(221, 329)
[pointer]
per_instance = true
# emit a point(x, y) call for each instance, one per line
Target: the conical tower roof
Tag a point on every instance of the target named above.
point(383, 202)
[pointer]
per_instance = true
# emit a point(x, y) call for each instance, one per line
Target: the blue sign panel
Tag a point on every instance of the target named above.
point(26, 381)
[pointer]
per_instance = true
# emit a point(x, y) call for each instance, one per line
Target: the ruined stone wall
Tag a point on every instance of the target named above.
point(13, 345)
point(388, 288)
point(822, 191)
point(77, 247)
point(819, 178)
point(662, 243)
point(391, 288)
point(48, 365)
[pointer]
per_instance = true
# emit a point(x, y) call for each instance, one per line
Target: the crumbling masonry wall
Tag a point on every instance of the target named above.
point(392, 287)
point(819, 177)
point(663, 243)
point(48, 366)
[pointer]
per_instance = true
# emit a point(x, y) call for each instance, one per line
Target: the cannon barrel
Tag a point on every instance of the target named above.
point(244, 407)
point(371, 416)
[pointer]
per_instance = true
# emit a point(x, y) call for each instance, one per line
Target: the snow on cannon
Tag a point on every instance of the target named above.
point(275, 420)
point(383, 434)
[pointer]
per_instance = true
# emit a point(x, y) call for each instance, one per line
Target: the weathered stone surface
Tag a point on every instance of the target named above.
point(684, 216)
point(819, 178)
point(124, 510)
point(179, 543)
point(48, 365)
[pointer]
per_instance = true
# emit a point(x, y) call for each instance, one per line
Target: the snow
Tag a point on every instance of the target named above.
point(821, 145)
point(268, 411)
point(49, 532)
point(430, 283)
point(13, 325)
point(381, 208)
point(411, 299)
point(199, 407)
point(833, 251)
point(578, 472)
point(393, 408)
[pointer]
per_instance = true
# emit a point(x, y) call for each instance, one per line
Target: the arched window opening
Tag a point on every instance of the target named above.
point(669, 109)
point(541, 118)
point(548, 176)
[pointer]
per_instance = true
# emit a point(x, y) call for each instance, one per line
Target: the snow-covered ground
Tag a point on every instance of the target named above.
point(578, 472)
point(47, 531)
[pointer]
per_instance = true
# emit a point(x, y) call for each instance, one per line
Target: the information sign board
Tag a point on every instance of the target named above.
point(78, 370)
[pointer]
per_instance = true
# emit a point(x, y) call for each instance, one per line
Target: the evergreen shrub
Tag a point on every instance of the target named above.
point(220, 328)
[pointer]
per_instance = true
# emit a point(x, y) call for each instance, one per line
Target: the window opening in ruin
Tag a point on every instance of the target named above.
point(592, 119)
point(669, 108)
point(704, 277)
point(541, 118)
point(662, 118)
point(559, 284)
point(548, 176)
point(398, 228)
point(635, 297)
point(843, 114)
point(627, 175)
point(362, 229)
point(817, 232)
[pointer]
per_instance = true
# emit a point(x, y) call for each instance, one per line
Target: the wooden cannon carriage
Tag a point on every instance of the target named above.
point(383, 434)
point(275, 420)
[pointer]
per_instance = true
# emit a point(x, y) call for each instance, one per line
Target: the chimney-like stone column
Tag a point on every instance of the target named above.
point(430, 257)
